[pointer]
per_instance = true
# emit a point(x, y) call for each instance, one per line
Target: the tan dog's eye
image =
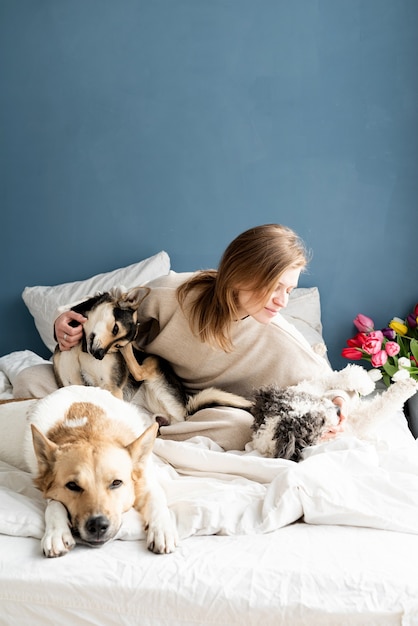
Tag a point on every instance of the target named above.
point(72, 486)
point(115, 330)
point(116, 483)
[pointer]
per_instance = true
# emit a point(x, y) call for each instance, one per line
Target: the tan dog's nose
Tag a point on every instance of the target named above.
point(97, 527)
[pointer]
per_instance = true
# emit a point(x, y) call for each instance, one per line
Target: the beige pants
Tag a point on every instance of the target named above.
point(230, 428)
point(36, 381)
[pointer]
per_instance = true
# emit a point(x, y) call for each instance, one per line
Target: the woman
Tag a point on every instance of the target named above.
point(222, 328)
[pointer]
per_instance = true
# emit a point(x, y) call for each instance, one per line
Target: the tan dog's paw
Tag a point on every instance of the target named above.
point(162, 537)
point(57, 539)
point(57, 542)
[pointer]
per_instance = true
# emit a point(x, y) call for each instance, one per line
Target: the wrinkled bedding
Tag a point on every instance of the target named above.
point(331, 540)
point(344, 482)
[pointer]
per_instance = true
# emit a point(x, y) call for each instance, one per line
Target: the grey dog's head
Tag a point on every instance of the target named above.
point(286, 421)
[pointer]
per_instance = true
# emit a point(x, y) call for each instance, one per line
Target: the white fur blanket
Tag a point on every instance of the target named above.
point(344, 481)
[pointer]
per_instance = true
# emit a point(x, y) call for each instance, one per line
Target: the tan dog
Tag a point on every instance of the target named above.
point(91, 458)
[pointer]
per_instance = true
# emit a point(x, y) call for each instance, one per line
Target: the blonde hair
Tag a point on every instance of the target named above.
point(254, 261)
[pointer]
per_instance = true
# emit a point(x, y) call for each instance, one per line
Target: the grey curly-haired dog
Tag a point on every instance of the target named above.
point(287, 420)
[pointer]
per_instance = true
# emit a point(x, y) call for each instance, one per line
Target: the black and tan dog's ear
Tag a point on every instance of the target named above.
point(45, 450)
point(133, 298)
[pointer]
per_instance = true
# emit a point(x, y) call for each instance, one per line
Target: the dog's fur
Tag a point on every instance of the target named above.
point(90, 454)
point(163, 394)
point(107, 358)
point(287, 420)
point(97, 361)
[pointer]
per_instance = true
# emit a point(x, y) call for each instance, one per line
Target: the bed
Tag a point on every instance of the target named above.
point(332, 540)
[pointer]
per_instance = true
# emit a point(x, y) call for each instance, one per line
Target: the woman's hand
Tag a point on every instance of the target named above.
point(338, 428)
point(68, 336)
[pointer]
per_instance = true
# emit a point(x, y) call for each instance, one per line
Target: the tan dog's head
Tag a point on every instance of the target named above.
point(93, 472)
point(111, 320)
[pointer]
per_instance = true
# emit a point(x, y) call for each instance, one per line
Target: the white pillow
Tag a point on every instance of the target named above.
point(304, 312)
point(43, 302)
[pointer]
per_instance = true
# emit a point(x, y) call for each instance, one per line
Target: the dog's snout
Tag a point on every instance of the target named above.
point(97, 526)
point(98, 352)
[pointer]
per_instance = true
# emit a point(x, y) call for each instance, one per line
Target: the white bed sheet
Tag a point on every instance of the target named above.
point(331, 570)
point(301, 575)
point(354, 559)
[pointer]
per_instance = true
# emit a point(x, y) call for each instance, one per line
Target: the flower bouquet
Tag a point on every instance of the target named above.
point(392, 351)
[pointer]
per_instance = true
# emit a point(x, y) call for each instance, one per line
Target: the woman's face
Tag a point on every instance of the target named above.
point(249, 303)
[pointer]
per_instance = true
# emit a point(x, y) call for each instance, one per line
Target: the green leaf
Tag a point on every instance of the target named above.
point(389, 369)
point(386, 379)
point(404, 345)
point(413, 372)
point(414, 348)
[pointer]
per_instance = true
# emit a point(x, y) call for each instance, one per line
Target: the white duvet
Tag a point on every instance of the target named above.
point(344, 482)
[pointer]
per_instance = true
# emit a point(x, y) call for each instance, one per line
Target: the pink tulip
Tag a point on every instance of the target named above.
point(379, 358)
point(392, 348)
point(373, 343)
point(355, 354)
point(363, 323)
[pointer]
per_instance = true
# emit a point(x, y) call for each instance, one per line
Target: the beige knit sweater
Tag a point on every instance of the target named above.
point(263, 353)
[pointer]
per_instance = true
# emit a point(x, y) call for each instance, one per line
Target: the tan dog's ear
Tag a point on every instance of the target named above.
point(44, 450)
point(141, 448)
point(133, 298)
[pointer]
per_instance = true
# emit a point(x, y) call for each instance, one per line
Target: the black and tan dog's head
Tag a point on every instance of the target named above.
point(94, 467)
point(111, 320)
point(286, 421)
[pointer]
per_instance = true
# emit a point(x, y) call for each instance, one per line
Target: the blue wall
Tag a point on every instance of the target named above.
point(132, 126)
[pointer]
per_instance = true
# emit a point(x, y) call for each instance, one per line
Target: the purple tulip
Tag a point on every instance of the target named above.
point(389, 333)
point(411, 320)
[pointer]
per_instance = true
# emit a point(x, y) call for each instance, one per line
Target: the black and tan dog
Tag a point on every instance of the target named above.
point(96, 361)
point(107, 358)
